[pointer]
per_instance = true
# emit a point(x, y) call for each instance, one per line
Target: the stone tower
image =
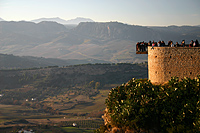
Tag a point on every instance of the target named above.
point(167, 62)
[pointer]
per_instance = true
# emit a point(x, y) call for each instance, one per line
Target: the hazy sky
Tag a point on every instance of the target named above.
point(134, 12)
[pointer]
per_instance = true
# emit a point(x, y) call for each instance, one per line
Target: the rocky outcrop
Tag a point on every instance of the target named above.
point(112, 128)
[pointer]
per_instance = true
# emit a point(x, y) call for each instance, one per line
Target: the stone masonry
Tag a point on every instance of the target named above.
point(167, 62)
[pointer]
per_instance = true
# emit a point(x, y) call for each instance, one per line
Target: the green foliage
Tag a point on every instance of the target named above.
point(140, 104)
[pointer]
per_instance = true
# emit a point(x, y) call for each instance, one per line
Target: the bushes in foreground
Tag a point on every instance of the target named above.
point(138, 104)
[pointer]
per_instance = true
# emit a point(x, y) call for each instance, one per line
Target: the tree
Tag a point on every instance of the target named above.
point(139, 104)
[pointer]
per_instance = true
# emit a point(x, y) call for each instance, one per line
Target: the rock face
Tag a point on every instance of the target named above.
point(113, 129)
point(107, 122)
point(115, 30)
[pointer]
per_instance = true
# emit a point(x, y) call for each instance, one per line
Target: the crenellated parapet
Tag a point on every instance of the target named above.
point(167, 62)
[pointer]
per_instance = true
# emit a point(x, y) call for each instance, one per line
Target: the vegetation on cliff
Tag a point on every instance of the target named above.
point(140, 105)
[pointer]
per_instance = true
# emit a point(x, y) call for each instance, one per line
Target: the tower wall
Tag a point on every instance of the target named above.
point(166, 62)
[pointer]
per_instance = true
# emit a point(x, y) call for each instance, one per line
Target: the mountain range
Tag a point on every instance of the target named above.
point(75, 21)
point(101, 42)
point(1, 19)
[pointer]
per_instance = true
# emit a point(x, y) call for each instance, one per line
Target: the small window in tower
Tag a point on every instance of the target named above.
point(191, 56)
point(156, 72)
point(155, 56)
point(170, 57)
point(169, 72)
point(190, 72)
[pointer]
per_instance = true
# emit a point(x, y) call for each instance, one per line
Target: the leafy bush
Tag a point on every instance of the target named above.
point(139, 104)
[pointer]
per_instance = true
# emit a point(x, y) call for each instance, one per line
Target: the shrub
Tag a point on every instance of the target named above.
point(139, 104)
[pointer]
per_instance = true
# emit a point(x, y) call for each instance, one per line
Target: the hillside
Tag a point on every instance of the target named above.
point(110, 41)
point(22, 62)
point(67, 77)
point(73, 91)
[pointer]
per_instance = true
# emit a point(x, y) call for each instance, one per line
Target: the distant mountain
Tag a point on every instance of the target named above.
point(28, 33)
point(58, 20)
point(1, 19)
point(115, 30)
point(109, 41)
point(75, 21)
point(178, 33)
point(78, 20)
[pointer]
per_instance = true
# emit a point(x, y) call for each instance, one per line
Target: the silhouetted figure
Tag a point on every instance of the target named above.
point(197, 43)
point(176, 45)
point(191, 43)
point(162, 44)
point(149, 43)
point(146, 46)
point(159, 43)
point(153, 45)
point(183, 43)
point(171, 44)
point(142, 46)
point(156, 44)
point(138, 46)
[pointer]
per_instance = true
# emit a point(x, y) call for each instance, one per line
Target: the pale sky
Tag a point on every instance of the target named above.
point(134, 12)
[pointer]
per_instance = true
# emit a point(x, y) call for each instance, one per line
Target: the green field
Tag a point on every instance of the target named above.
point(77, 130)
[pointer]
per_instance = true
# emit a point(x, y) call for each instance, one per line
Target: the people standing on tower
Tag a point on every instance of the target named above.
point(176, 45)
point(149, 43)
point(169, 43)
point(142, 46)
point(159, 43)
point(191, 43)
point(146, 46)
point(197, 43)
point(183, 43)
point(172, 44)
point(153, 45)
point(162, 44)
point(138, 46)
point(194, 44)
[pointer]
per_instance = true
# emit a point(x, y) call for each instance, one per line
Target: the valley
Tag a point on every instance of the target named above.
point(31, 97)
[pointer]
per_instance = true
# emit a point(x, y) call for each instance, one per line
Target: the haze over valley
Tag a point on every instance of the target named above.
point(62, 62)
point(95, 42)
